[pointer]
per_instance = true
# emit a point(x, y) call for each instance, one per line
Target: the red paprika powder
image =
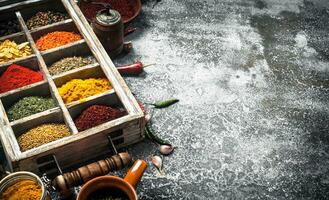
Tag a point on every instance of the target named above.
point(17, 76)
point(124, 7)
point(96, 115)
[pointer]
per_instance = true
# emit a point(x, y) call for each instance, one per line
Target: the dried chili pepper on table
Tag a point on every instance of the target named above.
point(132, 69)
point(129, 30)
point(166, 103)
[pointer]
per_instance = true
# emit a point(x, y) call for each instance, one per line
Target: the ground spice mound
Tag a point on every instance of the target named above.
point(23, 190)
point(124, 7)
point(69, 63)
point(78, 89)
point(45, 18)
point(17, 76)
point(42, 134)
point(56, 39)
point(96, 115)
point(28, 106)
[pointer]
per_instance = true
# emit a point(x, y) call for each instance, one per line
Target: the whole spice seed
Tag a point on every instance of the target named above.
point(78, 89)
point(124, 7)
point(17, 76)
point(23, 189)
point(96, 115)
point(42, 134)
point(45, 18)
point(67, 64)
point(56, 39)
point(9, 50)
point(9, 27)
point(28, 106)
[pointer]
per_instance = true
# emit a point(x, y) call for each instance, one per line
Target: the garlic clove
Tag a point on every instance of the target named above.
point(147, 117)
point(157, 162)
point(166, 149)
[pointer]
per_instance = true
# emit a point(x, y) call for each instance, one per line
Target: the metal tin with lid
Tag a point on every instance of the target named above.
point(108, 27)
point(23, 175)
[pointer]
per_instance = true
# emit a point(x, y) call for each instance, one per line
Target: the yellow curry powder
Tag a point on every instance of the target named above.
point(23, 190)
point(78, 89)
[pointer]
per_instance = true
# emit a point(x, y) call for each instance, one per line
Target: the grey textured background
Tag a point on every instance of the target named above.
point(253, 78)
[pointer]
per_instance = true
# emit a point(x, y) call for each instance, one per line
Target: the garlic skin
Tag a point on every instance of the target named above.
point(157, 162)
point(166, 149)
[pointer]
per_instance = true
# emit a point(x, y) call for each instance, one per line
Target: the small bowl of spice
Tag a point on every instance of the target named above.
point(128, 9)
point(22, 185)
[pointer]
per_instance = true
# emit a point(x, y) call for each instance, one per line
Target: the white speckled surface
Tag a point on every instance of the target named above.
point(252, 77)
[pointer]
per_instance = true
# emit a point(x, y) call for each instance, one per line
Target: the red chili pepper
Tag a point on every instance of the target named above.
point(132, 69)
point(141, 106)
point(129, 30)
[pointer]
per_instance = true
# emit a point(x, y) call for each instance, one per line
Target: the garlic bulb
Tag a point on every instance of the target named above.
point(166, 149)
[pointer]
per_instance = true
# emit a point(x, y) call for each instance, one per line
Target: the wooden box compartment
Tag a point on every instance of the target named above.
point(4, 18)
point(82, 146)
point(77, 49)
point(18, 38)
point(30, 62)
point(38, 89)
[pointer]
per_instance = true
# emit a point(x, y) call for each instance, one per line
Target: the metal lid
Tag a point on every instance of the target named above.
point(108, 17)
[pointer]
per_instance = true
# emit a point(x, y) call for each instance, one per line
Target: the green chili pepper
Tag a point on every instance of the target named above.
point(166, 103)
point(149, 132)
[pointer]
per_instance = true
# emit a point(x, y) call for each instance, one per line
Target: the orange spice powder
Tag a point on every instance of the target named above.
point(23, 190)
point(56, 39)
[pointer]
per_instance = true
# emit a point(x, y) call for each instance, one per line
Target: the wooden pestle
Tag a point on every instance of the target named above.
point(102, 167)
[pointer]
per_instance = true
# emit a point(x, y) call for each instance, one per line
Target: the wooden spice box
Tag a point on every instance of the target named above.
point(80, 146)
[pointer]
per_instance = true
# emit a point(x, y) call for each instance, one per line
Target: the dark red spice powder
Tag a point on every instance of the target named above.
point(124, 7)
point(96, 115)
point(17, 76)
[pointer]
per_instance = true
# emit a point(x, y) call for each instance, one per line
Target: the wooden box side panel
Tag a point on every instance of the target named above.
point(81, 151)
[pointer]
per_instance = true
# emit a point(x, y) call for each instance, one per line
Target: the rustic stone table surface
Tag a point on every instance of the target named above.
point(252, 78)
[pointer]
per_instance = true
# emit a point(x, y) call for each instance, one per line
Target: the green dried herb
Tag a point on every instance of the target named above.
point(29, 106)
point(45, 18)
point(67, 64)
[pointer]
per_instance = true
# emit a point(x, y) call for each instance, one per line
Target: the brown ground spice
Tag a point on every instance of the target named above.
point(96, 115)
